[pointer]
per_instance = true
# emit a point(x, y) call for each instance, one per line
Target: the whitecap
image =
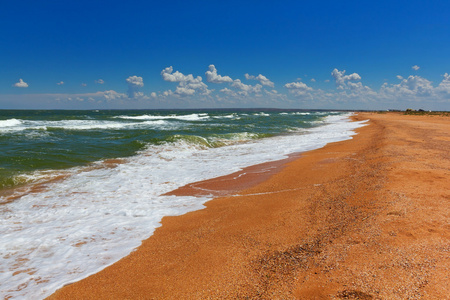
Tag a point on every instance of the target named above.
point(10, 123)
point(191, 117)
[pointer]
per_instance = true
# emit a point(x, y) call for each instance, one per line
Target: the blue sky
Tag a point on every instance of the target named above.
point(150, 54)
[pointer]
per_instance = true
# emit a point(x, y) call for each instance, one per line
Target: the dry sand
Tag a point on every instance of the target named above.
point(361, 219)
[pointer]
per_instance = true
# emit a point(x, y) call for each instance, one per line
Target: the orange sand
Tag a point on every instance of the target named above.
point(360, 219)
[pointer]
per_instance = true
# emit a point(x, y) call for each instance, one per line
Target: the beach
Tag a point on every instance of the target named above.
point(365, 218)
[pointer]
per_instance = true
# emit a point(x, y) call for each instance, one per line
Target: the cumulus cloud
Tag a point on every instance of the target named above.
point(188, 85)
point(410, 88)
point(135, 81)
point(245, 89)
point(444, 86)
point(21, 84)
point(167, 75)
point(261, 78)
point(134, 84)
point(400, 77)
point(348, 89)
point(212, 76)
point(110, 95)
point(275, 95)
point(167, 93)
point(415, 67)
point(303, 92)
point(184, 91)
point(229, 92)
point(100, 81)
point(342, 80)
point(298, 88)
point(313, 80)
point(60, 83)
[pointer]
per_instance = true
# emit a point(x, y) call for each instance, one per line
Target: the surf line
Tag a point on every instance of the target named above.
point(215, 192)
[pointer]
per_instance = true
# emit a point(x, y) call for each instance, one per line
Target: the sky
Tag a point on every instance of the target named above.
point(225, 54)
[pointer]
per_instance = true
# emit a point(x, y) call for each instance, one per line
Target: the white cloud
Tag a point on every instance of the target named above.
point(411, 87)
point(313, 80)
point(229, 92)
point(298, 88)
point(415, 67)
point(245, 89)
point(342, 80)
point(187, 84)
point(60, 83)
point(212, 76)
point(178, 76)
point(184, 91)
point(399, 77)
point(21, 84)
point(275, 95)
point(348, 89)
point(83, 84)
point(153, 95)
point(112, 95)
point(167, 93)
point(134, 84)
point(444, 86)
point(135, 81)
point(100, 81)
point(261, 78)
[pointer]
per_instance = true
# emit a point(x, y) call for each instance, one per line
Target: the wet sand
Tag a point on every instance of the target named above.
point(361, 219)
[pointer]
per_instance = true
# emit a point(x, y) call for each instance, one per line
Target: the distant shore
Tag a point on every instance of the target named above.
point(360, 219)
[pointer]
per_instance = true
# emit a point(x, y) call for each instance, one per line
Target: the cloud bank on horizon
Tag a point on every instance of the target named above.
point(219, 90)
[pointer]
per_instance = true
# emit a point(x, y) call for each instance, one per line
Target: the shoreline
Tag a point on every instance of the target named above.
point(234, 183)
point(333, 223)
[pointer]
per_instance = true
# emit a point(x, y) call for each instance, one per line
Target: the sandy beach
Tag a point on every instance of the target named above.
point(366, 218)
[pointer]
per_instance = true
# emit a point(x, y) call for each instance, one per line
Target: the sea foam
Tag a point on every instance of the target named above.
point(191, 117)
point(14, 125)
point(9, 123)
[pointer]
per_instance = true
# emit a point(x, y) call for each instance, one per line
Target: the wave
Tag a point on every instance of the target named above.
point(91, 125)
point(18, 125)
point(231, 116)
point(301, 113)
point(216, 140)
point(191, 117)
point(10, 123)
point(296, 113)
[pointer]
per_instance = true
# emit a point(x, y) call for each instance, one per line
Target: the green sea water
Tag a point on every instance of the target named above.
point(36, 140)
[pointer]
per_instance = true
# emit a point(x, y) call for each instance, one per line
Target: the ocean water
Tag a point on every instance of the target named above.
point(81, 189)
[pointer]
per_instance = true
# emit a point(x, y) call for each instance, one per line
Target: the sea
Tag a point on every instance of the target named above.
point(80, 190)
